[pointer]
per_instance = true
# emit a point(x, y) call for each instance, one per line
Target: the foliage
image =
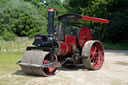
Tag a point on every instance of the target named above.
point(9, 36)
point(21, 18)
point(118, 12)
point(115, 46)
point(29, 17)
point(114, 10)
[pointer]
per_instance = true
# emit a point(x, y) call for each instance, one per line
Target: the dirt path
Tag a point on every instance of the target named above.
point(113, 72)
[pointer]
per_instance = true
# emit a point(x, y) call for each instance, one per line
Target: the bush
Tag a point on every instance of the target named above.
point(9, 36)
point(21, 18)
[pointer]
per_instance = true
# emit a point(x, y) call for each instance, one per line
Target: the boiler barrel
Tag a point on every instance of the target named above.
point(64, 49)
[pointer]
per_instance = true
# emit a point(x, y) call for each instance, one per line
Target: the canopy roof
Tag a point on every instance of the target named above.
point(76, 17)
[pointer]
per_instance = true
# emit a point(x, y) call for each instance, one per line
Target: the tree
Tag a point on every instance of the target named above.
point(92, 8)
point(114, 10)
point(21, 18)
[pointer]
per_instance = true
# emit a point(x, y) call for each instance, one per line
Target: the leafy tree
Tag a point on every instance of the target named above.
point(21, 18)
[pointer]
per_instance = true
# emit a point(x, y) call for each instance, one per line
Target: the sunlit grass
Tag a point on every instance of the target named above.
point(9, 71)
point(10, 58)
point(8, 61)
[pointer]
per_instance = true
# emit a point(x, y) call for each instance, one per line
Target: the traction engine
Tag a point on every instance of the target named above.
point(61, 48)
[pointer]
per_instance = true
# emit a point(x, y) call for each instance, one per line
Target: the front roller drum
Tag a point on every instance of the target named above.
point(93, 55)
point(37, 58)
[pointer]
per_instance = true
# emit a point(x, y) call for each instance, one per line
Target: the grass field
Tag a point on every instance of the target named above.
point(8, 61)
point(9, 68)
point(9, 58)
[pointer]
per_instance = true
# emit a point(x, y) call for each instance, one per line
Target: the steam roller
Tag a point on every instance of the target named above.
point(68, 45)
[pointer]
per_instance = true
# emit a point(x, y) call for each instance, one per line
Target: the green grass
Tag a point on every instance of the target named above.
point(110, 46)
point(10, 72)
point(8, 61)
point(9, 58)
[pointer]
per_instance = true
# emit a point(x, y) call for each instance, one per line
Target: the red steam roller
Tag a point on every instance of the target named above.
point(68, 45)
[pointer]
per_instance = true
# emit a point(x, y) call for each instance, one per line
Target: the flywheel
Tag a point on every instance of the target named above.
point(83, 35)
point(93, 55)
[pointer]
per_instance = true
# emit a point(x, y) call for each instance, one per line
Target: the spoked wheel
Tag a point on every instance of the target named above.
point(83, 35)
point(93, 55)
point(49, 70)
point(37, 58)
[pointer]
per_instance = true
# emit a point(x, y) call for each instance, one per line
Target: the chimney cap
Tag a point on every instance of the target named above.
point(51, 9)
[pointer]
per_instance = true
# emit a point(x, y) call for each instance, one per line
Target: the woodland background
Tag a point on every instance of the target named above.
point(25, 18)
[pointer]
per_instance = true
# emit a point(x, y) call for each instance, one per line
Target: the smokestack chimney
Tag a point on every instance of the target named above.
point(50, 24)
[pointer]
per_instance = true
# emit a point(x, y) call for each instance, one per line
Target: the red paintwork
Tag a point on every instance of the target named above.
point(64, 49)
point(70, 40)
point(68, 46)
point(95, 19)
point(37, 37)
point(48, 70)
point(84, 36)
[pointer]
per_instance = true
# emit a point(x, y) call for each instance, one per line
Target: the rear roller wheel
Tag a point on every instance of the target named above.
point(93, 55)
point(37, 58)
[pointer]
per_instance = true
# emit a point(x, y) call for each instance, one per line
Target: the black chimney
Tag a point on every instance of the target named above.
point(50, 24)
